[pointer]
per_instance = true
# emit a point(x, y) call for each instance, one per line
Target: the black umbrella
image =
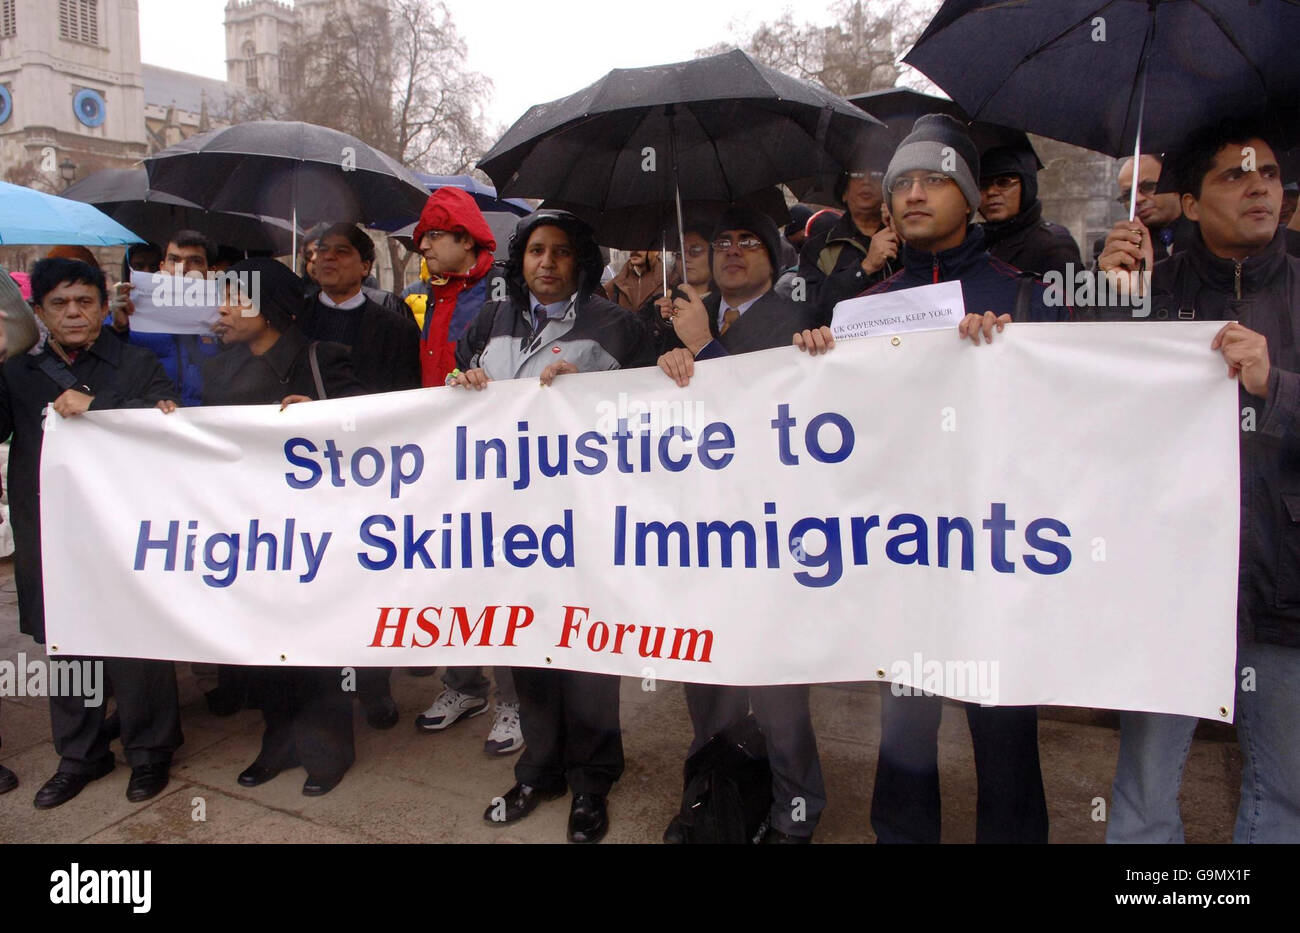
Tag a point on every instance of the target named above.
point(711, 129)
point(124, 195)
point(1083, 71)
point(644, 227)
point(298, 171)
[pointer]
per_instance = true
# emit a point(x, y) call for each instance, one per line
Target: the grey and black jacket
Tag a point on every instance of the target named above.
point(594, 334)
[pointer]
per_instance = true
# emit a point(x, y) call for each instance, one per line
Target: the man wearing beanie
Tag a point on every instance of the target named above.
point(1014, 229)
point(857, 252)
point(745, 314)
point(933, 195)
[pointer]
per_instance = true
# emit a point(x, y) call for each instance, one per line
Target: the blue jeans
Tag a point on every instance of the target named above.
point(1153, 750)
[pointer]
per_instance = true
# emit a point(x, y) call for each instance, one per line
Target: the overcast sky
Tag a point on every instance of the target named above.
point(505, 40)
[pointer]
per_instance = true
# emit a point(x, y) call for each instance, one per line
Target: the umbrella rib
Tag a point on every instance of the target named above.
point(1042, 47)
point(1232, 40)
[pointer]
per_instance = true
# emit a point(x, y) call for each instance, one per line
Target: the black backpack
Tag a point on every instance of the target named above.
point(728, 788)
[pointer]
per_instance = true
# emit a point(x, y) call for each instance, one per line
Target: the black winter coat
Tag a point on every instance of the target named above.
point(846, 278)
point(237, 377)
point(1031, 244)
point(1263, 294)
point(119, 375)
point(386, 355)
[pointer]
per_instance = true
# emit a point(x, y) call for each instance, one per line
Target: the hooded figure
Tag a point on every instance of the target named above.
point(521, 335)
point(458, 257)
point(1022, 239)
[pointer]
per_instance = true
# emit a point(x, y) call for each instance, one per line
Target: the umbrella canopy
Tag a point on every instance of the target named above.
point(124, 195)
point(29, 217)
point(711, 129)
point(485, 196)
point(643, 227)
point(300, 172)
point(1076, 70)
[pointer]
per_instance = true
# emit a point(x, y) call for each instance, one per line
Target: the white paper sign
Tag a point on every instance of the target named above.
point(926, 307)
point(172, 304)
point(930, 513)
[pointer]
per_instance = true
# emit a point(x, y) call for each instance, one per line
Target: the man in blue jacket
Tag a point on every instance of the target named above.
point(190, 253)
point(933, 193)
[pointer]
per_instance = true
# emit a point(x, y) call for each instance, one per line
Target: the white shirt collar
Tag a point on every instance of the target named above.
point(347, 304)
point(742, 307)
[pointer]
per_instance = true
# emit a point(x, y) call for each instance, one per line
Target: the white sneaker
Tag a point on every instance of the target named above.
point(450, 706)
point(506, 736)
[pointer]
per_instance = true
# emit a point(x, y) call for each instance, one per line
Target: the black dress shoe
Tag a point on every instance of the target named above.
point(381, 713)
point(65, 785)
point(8, 780)
point(588, 818)
point(319, 786)
point(675, 834)
point(147, 781)
point(774, 837)
point(517, 803)
point(257, 774)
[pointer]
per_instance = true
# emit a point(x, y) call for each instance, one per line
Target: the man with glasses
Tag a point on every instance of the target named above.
point(1014, 229)
point(742, 315)
point(858, 251)
point(932, 198)
point(1161, 214)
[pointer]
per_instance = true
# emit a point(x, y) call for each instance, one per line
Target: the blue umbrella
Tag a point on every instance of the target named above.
point(484, 195)
point(28, 216)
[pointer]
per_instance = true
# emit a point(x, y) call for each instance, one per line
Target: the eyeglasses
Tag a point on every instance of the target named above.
point(696, 250)
point(1145, 188)
point(747, 243)
point(874, 176)
point(1000, 183)
point(434, 234)
point(929, 182)
point(61, 305)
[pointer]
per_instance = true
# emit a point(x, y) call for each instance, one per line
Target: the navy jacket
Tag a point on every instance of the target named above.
point(182, 357)
point(987, 284)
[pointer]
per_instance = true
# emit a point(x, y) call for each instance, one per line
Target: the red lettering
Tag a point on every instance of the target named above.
point(570, 626)
point(460, 618)
point(513, 623)
point(427, 627)
point(399, 627)
point(603, 630)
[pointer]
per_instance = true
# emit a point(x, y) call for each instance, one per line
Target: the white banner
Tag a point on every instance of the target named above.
point(1052, 519)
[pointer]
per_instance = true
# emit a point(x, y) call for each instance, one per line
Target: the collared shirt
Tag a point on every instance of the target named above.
point(346, 304)
point(554, 311)
point(740, 308)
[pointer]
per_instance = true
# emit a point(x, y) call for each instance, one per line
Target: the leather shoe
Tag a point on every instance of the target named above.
point(381, 713)
point(65, 785)
point(517, 803)
point(148, 781)
point(8, 780)
point(774, 837)
point(675, 834)
point(318, 786)
point(257, 774)
point(588, 818)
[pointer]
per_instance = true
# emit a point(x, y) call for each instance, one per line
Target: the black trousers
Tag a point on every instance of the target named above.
point(147, 708)
point(373, 684)
point(1010, 807)
point(798, 790)
point(308, 719)
point(571, 730)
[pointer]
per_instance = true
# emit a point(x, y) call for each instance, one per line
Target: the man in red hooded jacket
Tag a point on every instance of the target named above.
point(457, 246)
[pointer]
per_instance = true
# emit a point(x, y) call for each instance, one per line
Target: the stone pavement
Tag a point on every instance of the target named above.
point(412, 787)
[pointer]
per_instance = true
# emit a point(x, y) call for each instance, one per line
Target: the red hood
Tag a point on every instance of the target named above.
point(454, 209)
